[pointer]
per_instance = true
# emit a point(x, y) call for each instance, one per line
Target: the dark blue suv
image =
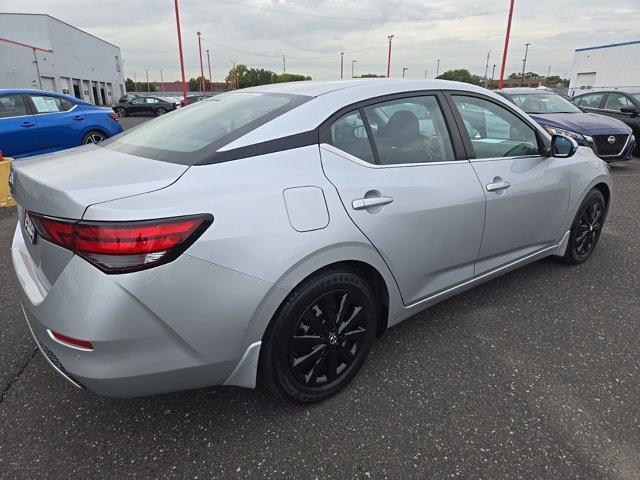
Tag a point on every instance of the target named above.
point(34, 122)
point(611, 139)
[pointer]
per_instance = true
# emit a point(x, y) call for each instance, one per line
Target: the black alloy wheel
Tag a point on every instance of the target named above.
point(327, 338)
point(121, 112)
point(320, 336)
point(161, 111)
point(586, 228)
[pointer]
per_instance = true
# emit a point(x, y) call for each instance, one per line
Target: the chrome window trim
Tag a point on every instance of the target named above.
point(359, 161)
point(494, 159)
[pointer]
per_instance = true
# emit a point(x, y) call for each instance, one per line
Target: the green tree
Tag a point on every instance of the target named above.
point(291, 77)
point(555, 80)
point(461, 75)
point(129, 85)
point(371, 75)
point(193, 85)
point(143, 87)
point(527, 75)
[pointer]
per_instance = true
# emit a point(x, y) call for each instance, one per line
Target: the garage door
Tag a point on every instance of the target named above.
point(47, 84)
point(586, 80)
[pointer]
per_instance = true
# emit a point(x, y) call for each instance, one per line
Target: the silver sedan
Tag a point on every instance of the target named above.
point(273, 233)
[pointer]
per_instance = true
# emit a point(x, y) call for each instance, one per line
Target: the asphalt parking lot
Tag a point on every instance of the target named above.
point(533, 375)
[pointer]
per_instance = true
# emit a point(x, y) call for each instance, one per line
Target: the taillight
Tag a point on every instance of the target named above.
point(114, 116)
point(120, 247)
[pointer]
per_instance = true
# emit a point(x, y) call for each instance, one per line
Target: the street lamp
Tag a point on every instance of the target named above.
point(404, 69)
point(438, 69)
point(524, 63)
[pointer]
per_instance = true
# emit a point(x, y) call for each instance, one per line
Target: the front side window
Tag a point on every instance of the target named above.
point(616, 101)
point(190, 135)
point(46, 104)
point(494, 131)
point(12, 106)
point(349, 134)
point(409, 130)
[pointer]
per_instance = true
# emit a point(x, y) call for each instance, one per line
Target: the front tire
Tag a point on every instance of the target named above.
point(320, 337)
point(160, 111)
point(586, 228)
point(121, 112)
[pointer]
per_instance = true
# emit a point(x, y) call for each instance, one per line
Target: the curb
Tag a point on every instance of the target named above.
point(5, 195)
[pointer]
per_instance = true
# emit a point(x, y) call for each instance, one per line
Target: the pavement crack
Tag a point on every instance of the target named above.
point(15, 378)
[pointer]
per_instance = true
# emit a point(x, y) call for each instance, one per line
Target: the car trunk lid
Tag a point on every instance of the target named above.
point(64, 184)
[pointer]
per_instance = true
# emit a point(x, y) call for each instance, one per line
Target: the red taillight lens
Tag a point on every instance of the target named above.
point(119, 247)
point(74, 342)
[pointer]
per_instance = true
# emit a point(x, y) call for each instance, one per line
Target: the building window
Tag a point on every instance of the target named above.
point(117, 64)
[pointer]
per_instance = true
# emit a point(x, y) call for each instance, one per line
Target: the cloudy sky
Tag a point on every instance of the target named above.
point(312, 33)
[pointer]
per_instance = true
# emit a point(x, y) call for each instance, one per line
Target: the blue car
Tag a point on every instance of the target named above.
point(610, 139)
point(35, 121)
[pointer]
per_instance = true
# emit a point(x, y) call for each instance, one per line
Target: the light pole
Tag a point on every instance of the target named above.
point(390, 37)
point(353, 65)
point(438, 69)
point(524, 62)
point(546, 80)
point(404, 69)
point(341, 65)
point(486, 69)
point(184, 82)
point(493, 73)
point(146, 70)
point(284, 64)
point(161, 79)
point(425, 73)
point(506, 46)
point(201, 64)
point(210, 77)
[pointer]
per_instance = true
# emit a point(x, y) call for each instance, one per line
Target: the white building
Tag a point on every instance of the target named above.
point(606, 67)
point(42, 52)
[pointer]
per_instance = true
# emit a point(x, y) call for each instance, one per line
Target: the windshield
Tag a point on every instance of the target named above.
point(544, 103)
point(190, 135)
point(636, 96)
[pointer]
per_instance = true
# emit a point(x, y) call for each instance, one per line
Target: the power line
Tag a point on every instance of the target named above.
point(267, 55)
point(351, 19)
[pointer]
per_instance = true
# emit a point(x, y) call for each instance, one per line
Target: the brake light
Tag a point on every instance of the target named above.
point(120, 247)
point(70, 341)
point(114, 116)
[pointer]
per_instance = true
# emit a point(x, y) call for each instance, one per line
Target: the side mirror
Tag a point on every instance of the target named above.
point(563, 147)
point(630, 109)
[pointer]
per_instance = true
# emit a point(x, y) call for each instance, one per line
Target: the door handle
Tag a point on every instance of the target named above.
point(492, 187)
point(28, 124)
point(78, 117)
point(363, 203)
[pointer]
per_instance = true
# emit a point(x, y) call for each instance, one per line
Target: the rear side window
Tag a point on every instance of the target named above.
point(349, 134)
point(591, 101)
point(190, 135)
point(616, 101)
point(47, 104)
point(12, 106)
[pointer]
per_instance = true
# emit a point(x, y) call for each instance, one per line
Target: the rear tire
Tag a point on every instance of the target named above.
point(160, 111)
point(320, 337)
point(93, 136)
point(586, 228)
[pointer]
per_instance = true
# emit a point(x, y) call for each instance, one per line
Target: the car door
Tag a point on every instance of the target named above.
point(398, 168)
point(591, 102)
point(613, 104)
point(60, 123)
point(137, 105)
point(527, 192)
point(18, 130)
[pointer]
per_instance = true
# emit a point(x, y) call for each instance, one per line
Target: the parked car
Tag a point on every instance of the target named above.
point(144, 106)
point(623, 105)
point(275, 232)
point(193, 99)
point(609, 138)
point(36, 121)
point(175, 101)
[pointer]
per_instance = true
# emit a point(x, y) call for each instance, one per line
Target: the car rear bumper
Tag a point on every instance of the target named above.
point(149, 335)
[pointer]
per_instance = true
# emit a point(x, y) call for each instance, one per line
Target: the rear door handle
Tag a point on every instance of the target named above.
point(492, 187)
point(363, 203)
point(28, 124)
point(78, 117)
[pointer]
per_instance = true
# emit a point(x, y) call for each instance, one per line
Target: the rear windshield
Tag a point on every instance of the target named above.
point(544, 103)
point(192, 134)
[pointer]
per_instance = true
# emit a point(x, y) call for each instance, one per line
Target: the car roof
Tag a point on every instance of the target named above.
point(327, 98)
point(31, 91)
point(523, 91)
point(629, 91)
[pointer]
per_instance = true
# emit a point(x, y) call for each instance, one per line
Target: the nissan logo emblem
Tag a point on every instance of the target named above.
point(611, 139)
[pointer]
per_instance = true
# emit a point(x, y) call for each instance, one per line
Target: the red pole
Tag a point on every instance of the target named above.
point(506, 47)
point(184, 82)
point(201, 65)
point(389, 57)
